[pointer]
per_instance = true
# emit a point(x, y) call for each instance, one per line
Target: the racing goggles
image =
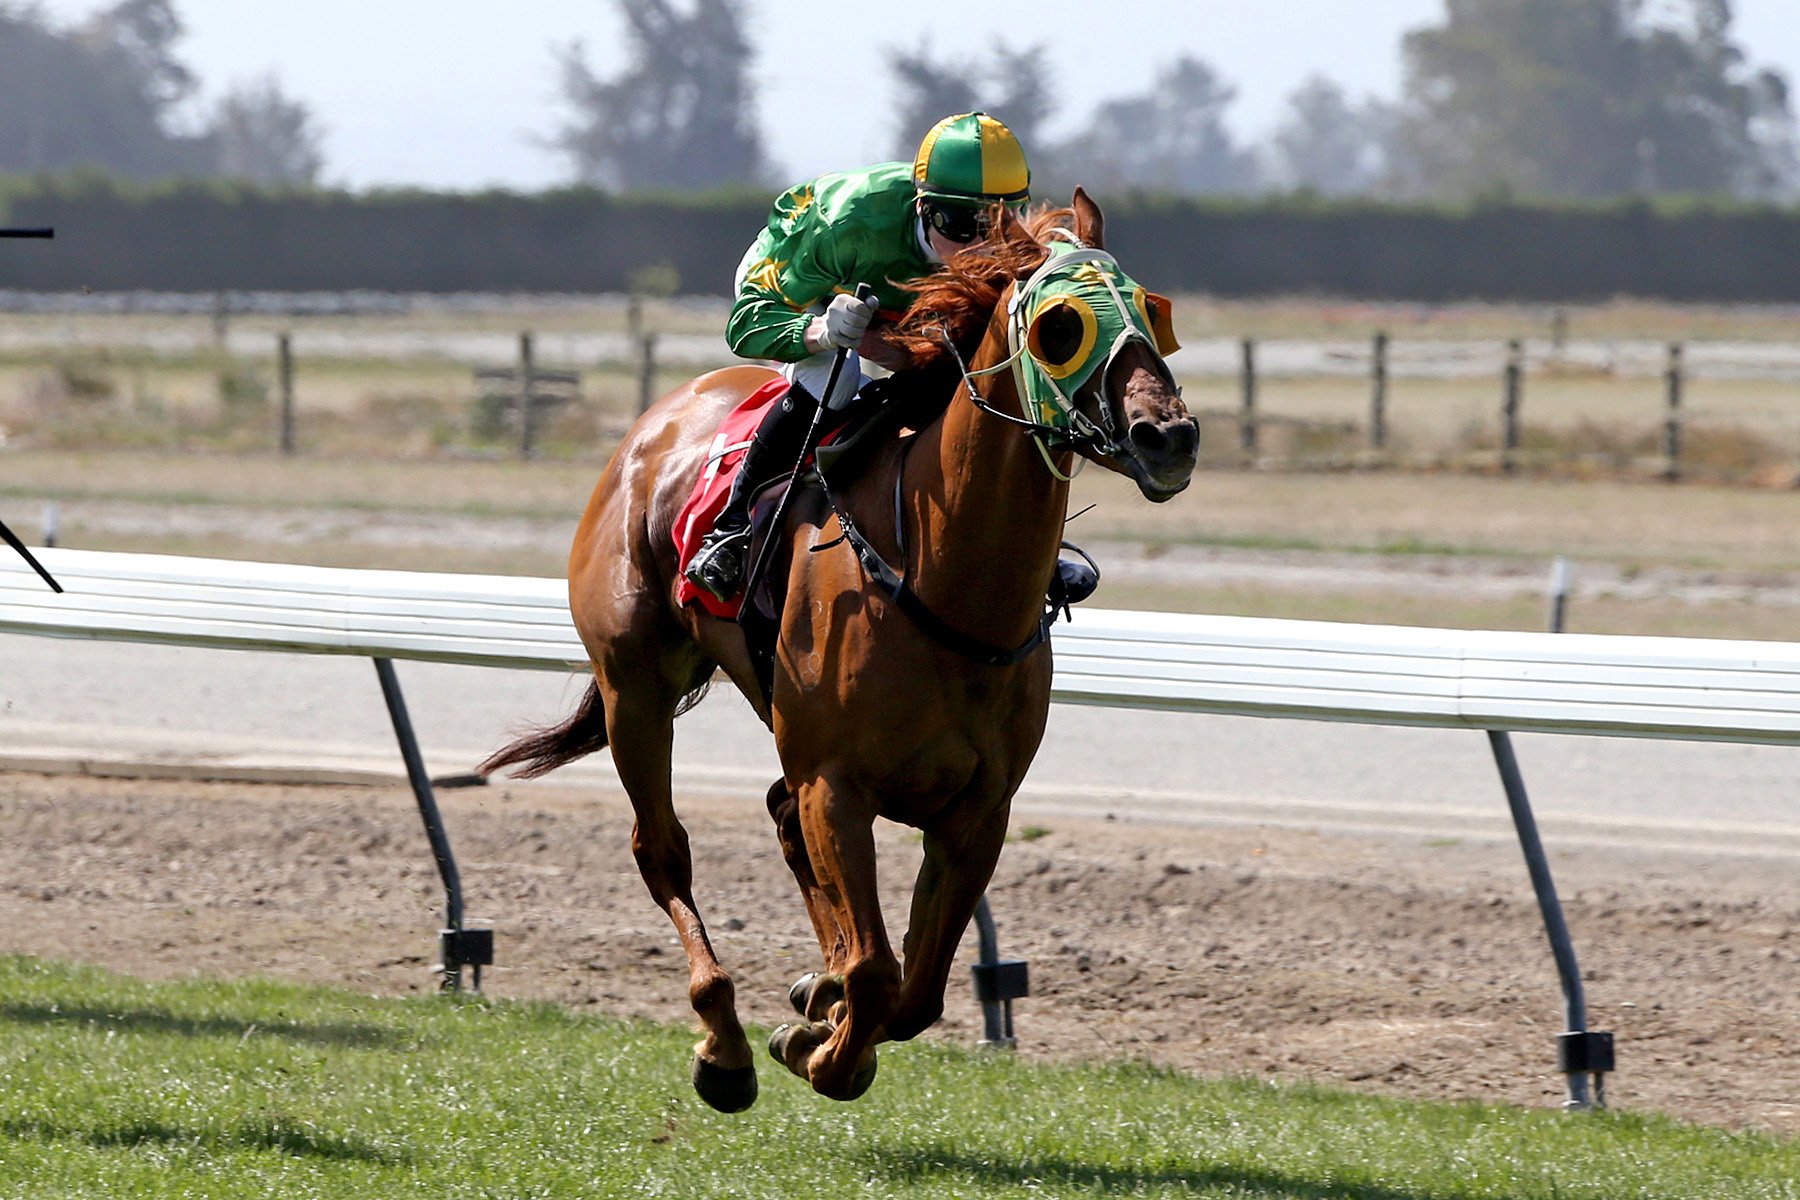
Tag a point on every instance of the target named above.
point(959, 223)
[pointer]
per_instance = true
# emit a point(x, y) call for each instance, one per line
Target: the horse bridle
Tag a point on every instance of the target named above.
point(1083, 434)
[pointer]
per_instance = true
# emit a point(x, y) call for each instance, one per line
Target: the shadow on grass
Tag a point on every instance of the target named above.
point(150, 1020)
point(937, 1163)
point(267, 1134)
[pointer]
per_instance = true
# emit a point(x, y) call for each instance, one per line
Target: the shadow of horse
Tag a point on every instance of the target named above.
point(347, 1035)
point(262, 1133)
point(947, 1166)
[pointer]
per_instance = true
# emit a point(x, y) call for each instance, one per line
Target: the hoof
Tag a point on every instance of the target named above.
point(784, 1050)
point(728, 1089)
point(813, 994)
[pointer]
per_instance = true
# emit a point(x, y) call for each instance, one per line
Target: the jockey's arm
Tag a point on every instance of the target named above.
point(783, 279)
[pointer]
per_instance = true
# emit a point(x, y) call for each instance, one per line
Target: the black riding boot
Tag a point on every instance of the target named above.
point(719, 563)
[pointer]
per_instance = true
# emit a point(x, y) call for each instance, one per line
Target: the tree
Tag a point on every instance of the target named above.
point(1172, 138)
point(263, 136)
point(1012, 87)
point(98, 95)
point(1327, 144)
point(1588, 98)
point(678, 117)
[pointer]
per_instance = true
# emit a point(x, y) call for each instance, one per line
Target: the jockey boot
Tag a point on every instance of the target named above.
point(719, 562)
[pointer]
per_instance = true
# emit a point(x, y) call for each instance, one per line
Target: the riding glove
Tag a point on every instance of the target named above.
point(843, 323)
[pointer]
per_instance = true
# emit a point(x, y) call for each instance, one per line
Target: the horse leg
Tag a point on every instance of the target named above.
point(958, 865)
point(814, 994)
point(838, 1059)
point(641, 730)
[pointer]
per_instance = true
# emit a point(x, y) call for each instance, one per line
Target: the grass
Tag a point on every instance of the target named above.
point(116, 1088)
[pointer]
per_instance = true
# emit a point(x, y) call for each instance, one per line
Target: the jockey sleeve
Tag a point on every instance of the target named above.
point(824, 237)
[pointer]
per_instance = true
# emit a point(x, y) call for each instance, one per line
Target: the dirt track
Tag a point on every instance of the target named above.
point(1404, 967)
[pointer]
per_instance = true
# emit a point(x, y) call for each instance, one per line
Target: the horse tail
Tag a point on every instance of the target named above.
point(548, 747)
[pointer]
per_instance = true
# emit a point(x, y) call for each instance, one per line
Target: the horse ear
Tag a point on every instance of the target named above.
point(1090, 226)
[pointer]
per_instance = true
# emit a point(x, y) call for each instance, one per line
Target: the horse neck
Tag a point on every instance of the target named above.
point(990, 511)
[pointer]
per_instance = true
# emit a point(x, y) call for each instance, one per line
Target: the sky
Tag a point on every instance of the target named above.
point(461, 93)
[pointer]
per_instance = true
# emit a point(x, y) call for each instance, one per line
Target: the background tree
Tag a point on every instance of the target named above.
point(679, 116)
point(262, 135)
point(1326, 143)
point(100, 94)
point(1588, 98)
point(1171, 138)
point(1012, 86)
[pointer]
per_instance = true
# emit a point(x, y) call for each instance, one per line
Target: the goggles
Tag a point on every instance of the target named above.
point(959, 223)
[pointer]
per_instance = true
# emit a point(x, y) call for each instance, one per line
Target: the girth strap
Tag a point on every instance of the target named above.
point(896, 588)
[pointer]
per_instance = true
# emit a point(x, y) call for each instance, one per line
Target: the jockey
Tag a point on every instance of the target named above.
point(886, 225)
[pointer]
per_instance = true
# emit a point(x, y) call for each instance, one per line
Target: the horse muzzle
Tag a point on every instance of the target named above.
point(1160, 455)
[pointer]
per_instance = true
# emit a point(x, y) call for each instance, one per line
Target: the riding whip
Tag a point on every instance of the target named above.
point(864, 293)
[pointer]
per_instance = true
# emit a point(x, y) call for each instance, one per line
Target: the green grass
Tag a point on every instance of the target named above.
point(112, 1087)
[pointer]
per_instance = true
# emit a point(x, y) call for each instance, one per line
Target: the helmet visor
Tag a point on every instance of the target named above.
point(960, 223)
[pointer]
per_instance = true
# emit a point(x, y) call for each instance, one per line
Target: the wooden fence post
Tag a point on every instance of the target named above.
point(1378, 394)
point(646, 372)
point(1247, 414)
point(1672, 421)
point(1509, 411)
point(526, 423)
point(284, 371)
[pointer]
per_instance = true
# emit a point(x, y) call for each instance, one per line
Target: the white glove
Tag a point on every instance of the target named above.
point(843, 324)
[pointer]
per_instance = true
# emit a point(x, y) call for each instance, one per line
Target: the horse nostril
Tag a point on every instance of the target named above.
point(1184, 438)
point(1148, 438)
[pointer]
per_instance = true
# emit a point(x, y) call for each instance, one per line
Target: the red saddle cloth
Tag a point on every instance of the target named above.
point(713, 488)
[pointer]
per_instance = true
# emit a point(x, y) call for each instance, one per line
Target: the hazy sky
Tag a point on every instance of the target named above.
point(449, 93)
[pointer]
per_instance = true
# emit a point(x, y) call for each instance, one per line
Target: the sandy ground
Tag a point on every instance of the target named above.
point(1402, 966)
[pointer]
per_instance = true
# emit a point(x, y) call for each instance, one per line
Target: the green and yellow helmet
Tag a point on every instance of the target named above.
point(973, 159)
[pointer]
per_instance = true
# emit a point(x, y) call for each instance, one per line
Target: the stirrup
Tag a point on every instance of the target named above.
point(718, 565)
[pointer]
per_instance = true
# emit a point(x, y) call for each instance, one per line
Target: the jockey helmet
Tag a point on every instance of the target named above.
point(974, 160)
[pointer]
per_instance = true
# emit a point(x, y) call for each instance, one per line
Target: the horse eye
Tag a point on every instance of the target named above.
point(1057, 336)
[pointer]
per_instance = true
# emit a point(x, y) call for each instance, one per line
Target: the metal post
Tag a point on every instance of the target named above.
point(1672, 422)
point(1509, 410)
point(1580, 1053)
point(526, 422)
point(1378, 394)
point(459, 947)
point(284, 370)
point(998, 982)
point(1247, 413)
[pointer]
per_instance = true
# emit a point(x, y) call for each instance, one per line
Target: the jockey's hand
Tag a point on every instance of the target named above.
point(842, 325)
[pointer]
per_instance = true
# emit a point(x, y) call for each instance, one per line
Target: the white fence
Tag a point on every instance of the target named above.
point(1374, 674)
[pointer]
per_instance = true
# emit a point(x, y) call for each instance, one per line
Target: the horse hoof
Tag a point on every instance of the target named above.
point(783, 1050)
point(728, 1089)
point(814, 994)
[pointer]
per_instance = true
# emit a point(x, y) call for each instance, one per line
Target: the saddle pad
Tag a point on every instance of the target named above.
point(713, 488)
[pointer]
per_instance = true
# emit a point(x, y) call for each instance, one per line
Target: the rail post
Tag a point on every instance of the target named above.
point(1247, 408)
point(1512, 394)
point(1581, 1053)
point(998, 982)
point(1378, 389)
point(646, 380)
point(1672, 380)
point(458, 947)
point(526, 424)
point(284, 370)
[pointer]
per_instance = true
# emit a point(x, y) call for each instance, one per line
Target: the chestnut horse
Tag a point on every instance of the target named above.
point(873, 715)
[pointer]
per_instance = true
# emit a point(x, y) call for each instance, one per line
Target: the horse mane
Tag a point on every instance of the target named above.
point(959, 297)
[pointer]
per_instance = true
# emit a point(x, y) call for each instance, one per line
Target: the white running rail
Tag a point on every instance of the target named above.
point(1374, 674)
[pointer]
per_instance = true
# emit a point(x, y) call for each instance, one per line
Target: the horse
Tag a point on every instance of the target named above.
point(923, 704)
